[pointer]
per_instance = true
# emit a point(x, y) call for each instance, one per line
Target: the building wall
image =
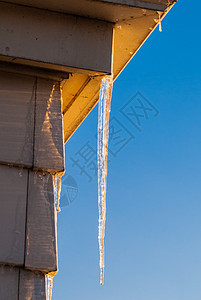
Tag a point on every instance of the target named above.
point(31, 152)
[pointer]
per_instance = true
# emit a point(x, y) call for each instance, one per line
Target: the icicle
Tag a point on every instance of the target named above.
point(49, 284)
point(160, 25)
point(57, 189)
point(49, 287)
point(102, 151)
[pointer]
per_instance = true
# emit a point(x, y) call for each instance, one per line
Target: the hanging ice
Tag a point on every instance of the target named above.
point(57, 189)
point(102, 151)
point(49, 284)
point(160, 25)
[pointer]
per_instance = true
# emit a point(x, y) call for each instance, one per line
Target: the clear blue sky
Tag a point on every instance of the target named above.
point(153, 230)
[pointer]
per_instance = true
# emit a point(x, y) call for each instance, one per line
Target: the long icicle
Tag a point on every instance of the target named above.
point(102, 151)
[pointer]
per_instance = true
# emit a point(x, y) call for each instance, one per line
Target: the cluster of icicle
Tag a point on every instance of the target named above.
point(57, 191)
point(102, 151)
